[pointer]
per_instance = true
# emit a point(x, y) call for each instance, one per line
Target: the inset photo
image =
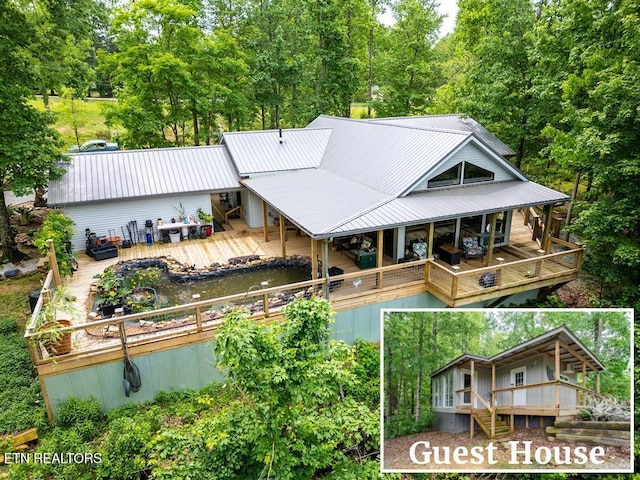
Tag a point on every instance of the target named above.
point(507, 390)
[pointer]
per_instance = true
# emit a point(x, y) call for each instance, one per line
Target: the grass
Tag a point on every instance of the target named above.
point(20, 395)
point(89, 117)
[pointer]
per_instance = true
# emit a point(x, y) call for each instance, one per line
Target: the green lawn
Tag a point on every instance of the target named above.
point(89, 117)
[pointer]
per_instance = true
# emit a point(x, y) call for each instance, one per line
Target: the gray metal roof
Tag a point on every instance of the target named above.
point(315, 200)
point(388, 158)
point(438, 204)
point(267, 151)
point(452, 122)
point(522, 350)
point(142, 173)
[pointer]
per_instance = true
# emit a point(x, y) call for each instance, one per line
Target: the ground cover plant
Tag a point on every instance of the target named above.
point(20, 395)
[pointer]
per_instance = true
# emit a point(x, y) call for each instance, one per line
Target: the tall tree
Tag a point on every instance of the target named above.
point(598, 135)
point(406, 66)
point(28, 146)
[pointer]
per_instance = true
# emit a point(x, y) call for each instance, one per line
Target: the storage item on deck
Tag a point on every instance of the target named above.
point(334, 272)
point(366, 259)
point(104, 251)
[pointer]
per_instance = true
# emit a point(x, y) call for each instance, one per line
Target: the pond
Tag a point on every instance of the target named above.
point(178, 293)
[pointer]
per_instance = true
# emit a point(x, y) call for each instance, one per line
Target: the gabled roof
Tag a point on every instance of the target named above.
point(124, 174)
point(571, 348)
point(455, 122)
point(388, 158)
point(276, 150)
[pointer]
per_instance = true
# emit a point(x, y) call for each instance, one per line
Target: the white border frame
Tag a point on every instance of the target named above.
point(628, 311)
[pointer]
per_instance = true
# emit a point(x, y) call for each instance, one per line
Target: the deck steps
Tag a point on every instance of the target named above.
point(483, 419)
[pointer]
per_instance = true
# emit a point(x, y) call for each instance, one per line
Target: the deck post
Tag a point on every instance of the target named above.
point(430, 244)
point(597, 381)
point(492, 237)
point(557, 360)
point(380, 250)
point(472, 398)
point(493, 399)
point(265, 221)
point(325, 266)
point(544, 241)
point(196, 297)
point(584, 380)
point(53, 263)
point(314, 265)
point(283, 240)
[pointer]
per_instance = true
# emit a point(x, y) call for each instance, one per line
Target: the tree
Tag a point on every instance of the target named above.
point(597, 135)
point(29, 152)
point(406, 66)
point(302, 415)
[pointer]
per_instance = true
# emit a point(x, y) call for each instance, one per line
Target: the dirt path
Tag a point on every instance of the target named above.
point(496, 457)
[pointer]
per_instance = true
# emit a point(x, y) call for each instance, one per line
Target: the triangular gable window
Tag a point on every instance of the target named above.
point(475, 174)
point(448, 177)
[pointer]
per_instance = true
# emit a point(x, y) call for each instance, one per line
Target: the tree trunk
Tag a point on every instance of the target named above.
point(10, 250)
point(419, 377)
point(574, 196)
point(388, 363)
point(39, 200)
point(196, 130)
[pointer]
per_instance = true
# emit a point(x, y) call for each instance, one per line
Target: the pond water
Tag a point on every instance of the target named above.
point(178, 293)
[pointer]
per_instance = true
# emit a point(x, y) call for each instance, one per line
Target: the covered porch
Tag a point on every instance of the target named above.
point(559, 392)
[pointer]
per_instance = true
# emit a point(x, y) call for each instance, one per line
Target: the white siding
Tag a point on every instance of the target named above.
point(469, 153)
point(102, 217)
point(252, 208)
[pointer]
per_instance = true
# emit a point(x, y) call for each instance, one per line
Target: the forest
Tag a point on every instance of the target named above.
point(419, 343)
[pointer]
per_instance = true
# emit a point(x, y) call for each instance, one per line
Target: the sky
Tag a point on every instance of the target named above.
point(445, 7)
point(450, 8)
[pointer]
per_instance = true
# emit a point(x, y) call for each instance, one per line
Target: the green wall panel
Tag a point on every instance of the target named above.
point(192, 366)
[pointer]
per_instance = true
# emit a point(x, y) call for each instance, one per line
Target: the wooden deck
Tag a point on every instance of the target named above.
point(520, 266)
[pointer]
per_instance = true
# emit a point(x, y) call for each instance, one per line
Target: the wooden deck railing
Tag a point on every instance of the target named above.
point(183, 322)
point(454, 287)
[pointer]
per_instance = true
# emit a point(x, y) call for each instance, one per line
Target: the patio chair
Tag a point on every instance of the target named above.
point(471, 248)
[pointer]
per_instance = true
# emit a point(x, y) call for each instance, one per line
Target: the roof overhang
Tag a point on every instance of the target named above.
point(440, 204)
point(571, 352)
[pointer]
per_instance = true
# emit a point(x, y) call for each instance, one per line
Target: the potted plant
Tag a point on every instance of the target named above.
point(50, 329)
point(111, 291)
point(207, 219)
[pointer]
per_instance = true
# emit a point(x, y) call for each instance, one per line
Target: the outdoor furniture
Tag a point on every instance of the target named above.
point(450, 254)
point(471, 248)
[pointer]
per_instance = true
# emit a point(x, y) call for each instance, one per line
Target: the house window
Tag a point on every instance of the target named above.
point(448, 177)
point(475, 174)
point(437, 392)
point(448, 390)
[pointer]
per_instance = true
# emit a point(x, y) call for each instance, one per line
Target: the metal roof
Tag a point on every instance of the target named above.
point(315, 200)
point(142, 173)
point(388, 158)
point(542, 344)
point(438, 204)
point(272, 150)
point(455, 122)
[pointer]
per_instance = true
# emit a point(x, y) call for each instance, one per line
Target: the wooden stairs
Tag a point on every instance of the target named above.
point(483, 418)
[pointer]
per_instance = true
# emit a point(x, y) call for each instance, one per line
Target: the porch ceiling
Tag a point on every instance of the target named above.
point(572, 350)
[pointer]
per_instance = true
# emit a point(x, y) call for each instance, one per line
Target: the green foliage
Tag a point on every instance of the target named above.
point(59, 228)
point(303, 420)
point(85, 416)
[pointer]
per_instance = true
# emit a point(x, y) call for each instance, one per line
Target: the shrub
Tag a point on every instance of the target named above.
point(59, 228)
point(85, 416)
